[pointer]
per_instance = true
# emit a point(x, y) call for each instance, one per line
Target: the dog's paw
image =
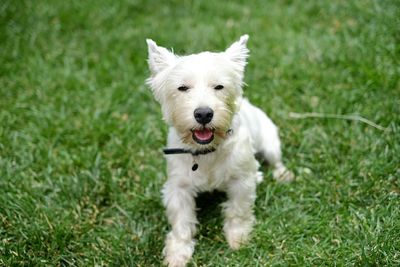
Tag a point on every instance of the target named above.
point(259, 177)
point(177, 252)
point(283, 175)
point(237, 231)
point(175, 261)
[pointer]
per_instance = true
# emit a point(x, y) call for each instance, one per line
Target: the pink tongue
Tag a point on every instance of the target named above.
point(204, 134)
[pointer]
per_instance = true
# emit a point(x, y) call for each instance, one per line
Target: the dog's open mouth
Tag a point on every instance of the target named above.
point(203, 136)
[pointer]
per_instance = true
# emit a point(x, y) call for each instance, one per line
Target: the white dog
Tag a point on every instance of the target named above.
point(213, 137)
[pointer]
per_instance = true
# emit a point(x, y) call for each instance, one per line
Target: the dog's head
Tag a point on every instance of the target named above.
point(198, 93)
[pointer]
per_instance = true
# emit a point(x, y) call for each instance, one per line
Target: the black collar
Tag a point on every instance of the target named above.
point(170, 151)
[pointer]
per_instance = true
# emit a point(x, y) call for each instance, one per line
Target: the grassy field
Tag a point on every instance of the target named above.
point(81, 166)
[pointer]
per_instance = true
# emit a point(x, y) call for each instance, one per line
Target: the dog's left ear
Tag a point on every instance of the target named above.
point(159, 57)
point(238, 52)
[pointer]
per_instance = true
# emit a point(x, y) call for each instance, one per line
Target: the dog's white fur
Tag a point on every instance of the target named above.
point(240, 131)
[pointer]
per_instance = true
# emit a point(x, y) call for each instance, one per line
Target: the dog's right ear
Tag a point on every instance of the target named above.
point(159, 57)
point(238, 52)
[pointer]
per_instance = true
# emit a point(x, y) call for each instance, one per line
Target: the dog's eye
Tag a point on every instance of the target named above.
point(219, 87)
point(183, 88)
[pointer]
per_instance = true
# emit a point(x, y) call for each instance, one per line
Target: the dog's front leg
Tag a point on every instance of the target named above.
point(180, 205)
point(239, 218)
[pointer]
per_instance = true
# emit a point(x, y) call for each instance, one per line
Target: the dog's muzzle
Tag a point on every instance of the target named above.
point(203, 115)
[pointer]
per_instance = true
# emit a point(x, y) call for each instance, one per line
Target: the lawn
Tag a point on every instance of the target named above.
point(81, 165)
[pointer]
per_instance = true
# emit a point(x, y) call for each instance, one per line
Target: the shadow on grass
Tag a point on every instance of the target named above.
point(209, 214)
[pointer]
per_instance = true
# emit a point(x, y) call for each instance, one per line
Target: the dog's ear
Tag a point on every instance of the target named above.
point(159, 57)
point(238, 51)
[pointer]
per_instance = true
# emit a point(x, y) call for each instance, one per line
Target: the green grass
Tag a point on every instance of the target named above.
point(81, 166)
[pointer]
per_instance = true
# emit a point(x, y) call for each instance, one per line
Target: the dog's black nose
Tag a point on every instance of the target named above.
point(203, 115)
